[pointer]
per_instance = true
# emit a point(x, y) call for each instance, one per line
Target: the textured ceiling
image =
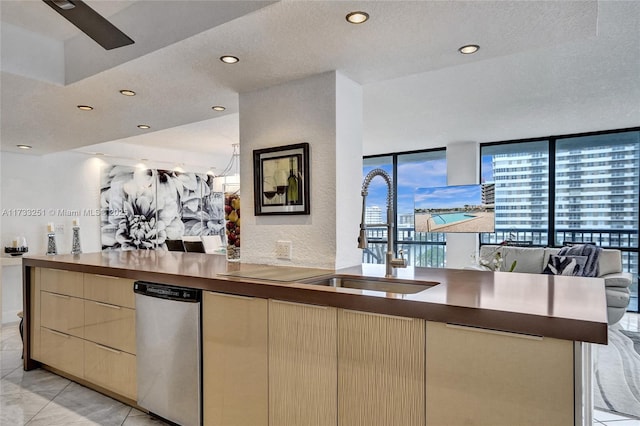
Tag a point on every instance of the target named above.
point(418, 90)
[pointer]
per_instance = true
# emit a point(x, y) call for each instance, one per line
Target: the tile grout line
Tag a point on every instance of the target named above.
point(47, 404)
point(126, 417)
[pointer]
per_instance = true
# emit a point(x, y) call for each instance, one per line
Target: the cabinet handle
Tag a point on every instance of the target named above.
point(380, 315)
point(282, 302)
point(57, 333)
point(108, 349)
point(490, 331)
point(106, 305)
point(108, 276)
point(62, 296)
point(233, 296)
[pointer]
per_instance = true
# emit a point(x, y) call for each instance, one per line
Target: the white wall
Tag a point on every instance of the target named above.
point(51, 185)
point(304, 110)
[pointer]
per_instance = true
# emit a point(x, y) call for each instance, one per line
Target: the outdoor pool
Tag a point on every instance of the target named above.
point(442, 219)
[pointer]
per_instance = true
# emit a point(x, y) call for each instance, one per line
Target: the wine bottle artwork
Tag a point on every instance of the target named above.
point(292, 189)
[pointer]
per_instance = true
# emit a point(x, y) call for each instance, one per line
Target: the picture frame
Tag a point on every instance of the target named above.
point(281, 180)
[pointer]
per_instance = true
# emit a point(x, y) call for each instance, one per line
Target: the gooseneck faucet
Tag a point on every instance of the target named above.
point(391, 261)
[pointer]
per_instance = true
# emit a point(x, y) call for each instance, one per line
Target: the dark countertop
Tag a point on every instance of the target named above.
point(569, 308)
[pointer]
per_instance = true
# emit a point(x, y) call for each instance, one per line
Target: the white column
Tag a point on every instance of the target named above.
point(324, 110)
point(462, 169)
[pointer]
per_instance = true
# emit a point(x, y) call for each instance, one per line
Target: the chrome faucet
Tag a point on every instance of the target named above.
point(391, 261)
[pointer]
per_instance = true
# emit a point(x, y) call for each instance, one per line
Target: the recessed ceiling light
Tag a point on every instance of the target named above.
point(24, 146)
point(358, 17)
point(85, 107)
point(469, 49)
point(143, 126)
point(218, 108)
point(128, 92)
point(227, 59)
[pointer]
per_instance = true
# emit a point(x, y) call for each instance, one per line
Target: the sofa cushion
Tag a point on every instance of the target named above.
point(610, 261)
point(565, 265)
point(592, 252)
point(528, 260)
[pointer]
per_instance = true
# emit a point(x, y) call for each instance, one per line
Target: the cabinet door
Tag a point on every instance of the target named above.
point(62, 313)
point(61, 282)
point(62, 351)
point(302, 364)
point(381, 369)
point(110, 325)
point(110, 290)
point(111, 369)
point(484, 377)
point(234, 334)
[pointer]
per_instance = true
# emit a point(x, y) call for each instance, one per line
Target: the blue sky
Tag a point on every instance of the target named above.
point(487, 168)
point(448, 197)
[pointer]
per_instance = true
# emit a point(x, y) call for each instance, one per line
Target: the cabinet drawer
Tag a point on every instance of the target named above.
point(62, 351)
point(62, 313)
point(61, 282)
point(110, 325)
point(112, 290)
point(110, 369)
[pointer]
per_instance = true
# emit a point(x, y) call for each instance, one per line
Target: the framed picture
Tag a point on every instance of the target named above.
point(281, 180)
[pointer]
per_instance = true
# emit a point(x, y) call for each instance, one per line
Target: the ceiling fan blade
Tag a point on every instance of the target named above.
point(91, 23)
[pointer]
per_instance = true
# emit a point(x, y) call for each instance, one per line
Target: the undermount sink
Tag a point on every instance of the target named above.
point(372, 284)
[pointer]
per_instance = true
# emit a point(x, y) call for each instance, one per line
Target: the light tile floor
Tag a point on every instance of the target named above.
point(629, 322)
point(39, 397)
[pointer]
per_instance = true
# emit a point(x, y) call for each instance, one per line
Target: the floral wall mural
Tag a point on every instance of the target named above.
point(142, 208)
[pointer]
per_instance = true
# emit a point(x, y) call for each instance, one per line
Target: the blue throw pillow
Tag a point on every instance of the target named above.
point(565, 265)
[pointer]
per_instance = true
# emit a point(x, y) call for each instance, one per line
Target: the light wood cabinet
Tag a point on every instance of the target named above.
point(110, 290)
point(110, 325)
point(62, 351)
point(84, 325)
point(62, 282)
point(381, 369)
point(62, 313)
point(302, 364)
point(111, 369)
point(234, 334)
point(484, 377)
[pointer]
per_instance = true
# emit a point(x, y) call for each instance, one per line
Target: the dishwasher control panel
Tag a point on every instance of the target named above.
point(167, 292)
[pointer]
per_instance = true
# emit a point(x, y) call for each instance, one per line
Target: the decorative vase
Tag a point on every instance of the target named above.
point(232, 221)
point(75, 242)
point(51, 244)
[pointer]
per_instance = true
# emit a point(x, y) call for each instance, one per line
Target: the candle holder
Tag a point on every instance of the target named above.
point(75, 242)
point(51, 244)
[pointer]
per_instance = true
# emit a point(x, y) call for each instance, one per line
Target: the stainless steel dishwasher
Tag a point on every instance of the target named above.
point(168, 358)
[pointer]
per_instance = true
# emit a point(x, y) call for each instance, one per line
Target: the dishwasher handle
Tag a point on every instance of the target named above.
point(161, 291)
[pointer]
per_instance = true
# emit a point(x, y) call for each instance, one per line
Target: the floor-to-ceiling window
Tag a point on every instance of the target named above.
point(409, 171)
point(577, 188)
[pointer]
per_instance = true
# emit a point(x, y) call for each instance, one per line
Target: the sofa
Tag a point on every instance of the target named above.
point(534, 260)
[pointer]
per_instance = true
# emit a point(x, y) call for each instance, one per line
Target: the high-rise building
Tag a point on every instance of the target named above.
point(596, 189)
point(373, 215)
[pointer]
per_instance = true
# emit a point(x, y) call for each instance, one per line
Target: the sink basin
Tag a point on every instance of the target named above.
point(372, 284)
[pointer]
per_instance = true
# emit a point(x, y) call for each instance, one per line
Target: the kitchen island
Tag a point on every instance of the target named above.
point(470, 347)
